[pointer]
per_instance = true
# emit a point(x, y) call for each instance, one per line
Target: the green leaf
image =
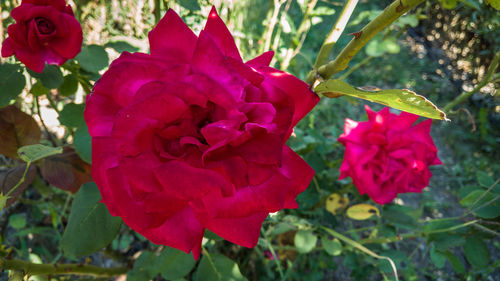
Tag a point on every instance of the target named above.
point(444, 241)
point(121, 46)
point(399, 217)
point(17, 221)
point(484, 179)
point(72, 115)
point(457, 265)
point(332, 247)
point(218, 267)
point(91, 227)
point(448, 4)
point(142, 270)
point(362, 211)
point(476, 252)
point(39, 90)
point(191, 5)
point(34, 152)
point(51, 77)
point(174, 264)
point(69, 85)
point(83, 143)
point(378, 47)
point(210, 235)
point(12, 83)
point(305, 241)
point(472, 197)
point(494, 3)
point(404, 100)
point(437, 258)
point(93, 58)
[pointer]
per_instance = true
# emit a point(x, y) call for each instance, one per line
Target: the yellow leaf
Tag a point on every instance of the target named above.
point(362, 211)
point(335, 202)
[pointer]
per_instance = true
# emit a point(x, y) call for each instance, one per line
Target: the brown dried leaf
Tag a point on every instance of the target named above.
point(17, 129)
point(9, 178)
point(66, 171)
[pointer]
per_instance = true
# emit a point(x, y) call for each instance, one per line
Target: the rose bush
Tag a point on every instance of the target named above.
point(189, 137)
point(386, 155)
point(45, 31)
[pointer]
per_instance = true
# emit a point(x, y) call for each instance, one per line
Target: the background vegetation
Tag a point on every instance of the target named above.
point(440, 50)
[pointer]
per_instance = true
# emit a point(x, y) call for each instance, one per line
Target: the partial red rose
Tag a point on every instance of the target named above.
point(46, 31)
point(190, 137)
point(387, 155)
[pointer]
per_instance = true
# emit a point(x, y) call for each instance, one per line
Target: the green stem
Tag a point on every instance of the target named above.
point(361, 248)
point(21, 180)
point(272, 23)
point(54, 269)
point(384, 19)
point(157, 11)
point(212, 264)
point(273, 252)
point(335, 33)
point(471, 207)
point(487, 78)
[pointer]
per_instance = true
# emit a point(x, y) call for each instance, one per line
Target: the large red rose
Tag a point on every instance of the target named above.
point(45, 31)
point(386, 155)
point(190, 137)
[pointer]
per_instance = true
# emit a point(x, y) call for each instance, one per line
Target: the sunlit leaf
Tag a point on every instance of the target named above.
point(305, 241)
point(34, 152)
point(404, 100)
point(335, 202)
point(494, 3)
point(362, 211)
point(332, 247)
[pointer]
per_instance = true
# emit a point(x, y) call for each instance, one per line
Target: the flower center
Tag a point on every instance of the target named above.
point(44, 26)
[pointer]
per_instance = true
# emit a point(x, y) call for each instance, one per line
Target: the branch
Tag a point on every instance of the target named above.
point(389, 15)
point(53, 269)
point(487, 78)
point(272, 23)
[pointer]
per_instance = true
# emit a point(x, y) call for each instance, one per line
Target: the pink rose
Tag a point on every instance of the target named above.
point(45, 31)
point(386, 155)
point(190, 137)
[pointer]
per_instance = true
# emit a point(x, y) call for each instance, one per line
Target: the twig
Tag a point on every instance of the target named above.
point(21, 181)
point(361, 248)
point(272, 23)
point(384, 19)
point(300, 36)
point(487, 78)
point(471, 207)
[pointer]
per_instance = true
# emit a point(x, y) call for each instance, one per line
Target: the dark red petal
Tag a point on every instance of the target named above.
point(172, 39)
point(218, 31)
point(182, 230)
point(190, 182)
point(262, 60)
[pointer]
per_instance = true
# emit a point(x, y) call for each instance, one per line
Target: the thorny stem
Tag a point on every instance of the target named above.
point(335, 33)
point(487, 78)
point(384, 19)
point(53, 269)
